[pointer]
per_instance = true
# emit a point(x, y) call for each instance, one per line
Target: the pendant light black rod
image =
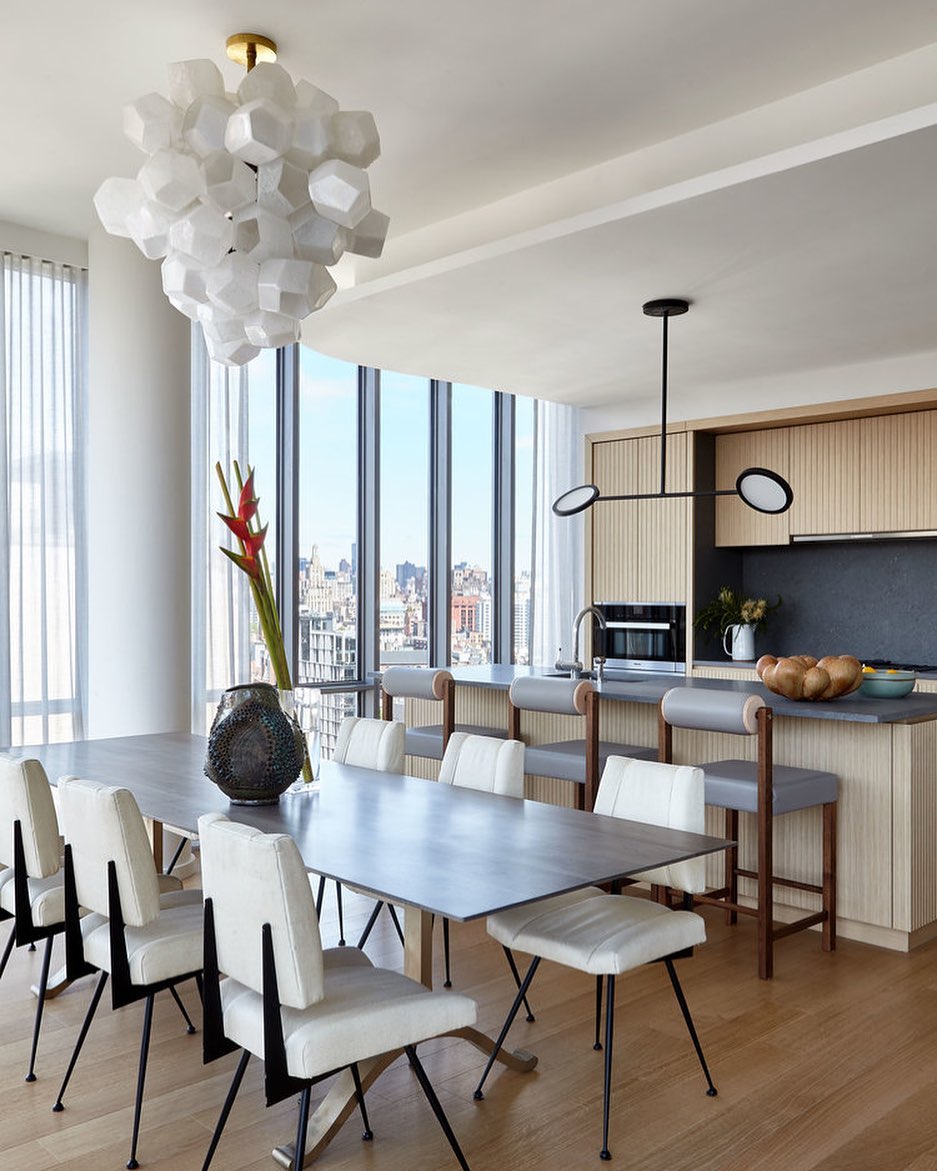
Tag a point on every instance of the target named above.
point(663, 408)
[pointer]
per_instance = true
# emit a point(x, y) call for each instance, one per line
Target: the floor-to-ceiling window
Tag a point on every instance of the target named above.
point(471, 541)
point(396, 511)
point(404, 520)
point(42, 389)
point(327, 524)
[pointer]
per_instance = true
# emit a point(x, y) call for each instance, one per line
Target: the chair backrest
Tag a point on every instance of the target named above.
point(485, 763)
point(566, 697)
point(252, 879)
point(26, 797)
point(377, 744)
point(670, 795)
point(103, 824)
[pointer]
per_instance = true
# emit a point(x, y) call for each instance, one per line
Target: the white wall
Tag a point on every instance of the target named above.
point(138, 492)
point(45, 245)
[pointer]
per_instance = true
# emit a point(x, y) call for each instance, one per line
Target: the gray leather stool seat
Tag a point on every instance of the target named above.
point(427, 740)
point(765, 790)
point(580, 761)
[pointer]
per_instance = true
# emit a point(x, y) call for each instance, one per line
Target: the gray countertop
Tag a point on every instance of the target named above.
point(647, 687)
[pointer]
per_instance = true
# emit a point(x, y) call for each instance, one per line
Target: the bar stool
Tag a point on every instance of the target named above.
point(435, 683)
point(765, 789)
point(579, 761)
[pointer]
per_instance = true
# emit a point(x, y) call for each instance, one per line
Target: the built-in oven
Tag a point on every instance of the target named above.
point(642, 636)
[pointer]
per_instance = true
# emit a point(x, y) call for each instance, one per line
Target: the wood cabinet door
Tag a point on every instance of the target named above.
point(736, 523)
point(640, 547)
point(825, 465)
point(899, 472)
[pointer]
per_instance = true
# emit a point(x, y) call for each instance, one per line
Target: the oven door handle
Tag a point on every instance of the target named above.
point(640, 625)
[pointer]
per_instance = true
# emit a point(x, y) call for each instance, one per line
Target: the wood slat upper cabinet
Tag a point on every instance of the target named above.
point(899, 472)
point(640, 547)
point(736, 523)
point(825, 466)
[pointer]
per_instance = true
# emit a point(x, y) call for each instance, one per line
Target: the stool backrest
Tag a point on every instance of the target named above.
point(26, 797)
point(711, 710)
point(416, 682)
point(660, 794)
point(485, 763)
point(103, 824)
point(565, 697)
point(253, 879)
point(367, 743)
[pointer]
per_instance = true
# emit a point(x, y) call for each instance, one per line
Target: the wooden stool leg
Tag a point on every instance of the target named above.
point(732, 865)
point(765, 894)
point(829, 876)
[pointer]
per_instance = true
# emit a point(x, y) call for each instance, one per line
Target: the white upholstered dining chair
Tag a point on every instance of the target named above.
point(366, 743)
point(32, 891)
point(609, 934)
point(490, 766)
point(307, 1012)
point(144, 938)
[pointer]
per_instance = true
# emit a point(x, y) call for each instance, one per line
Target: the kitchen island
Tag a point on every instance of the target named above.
point(884, 752)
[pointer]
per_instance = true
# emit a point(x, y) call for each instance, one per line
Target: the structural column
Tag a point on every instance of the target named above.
point(138, 494)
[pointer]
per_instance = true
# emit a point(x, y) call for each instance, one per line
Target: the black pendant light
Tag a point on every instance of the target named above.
point(760, 488)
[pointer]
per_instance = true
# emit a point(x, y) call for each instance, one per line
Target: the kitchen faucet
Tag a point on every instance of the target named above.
point(574, 667)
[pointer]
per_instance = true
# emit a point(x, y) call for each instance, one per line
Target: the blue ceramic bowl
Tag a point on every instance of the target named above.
point(887, 684)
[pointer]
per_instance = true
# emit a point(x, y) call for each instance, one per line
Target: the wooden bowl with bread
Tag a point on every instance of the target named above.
point(805, 677)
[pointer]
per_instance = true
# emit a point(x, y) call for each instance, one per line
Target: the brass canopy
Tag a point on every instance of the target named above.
point(249, 48)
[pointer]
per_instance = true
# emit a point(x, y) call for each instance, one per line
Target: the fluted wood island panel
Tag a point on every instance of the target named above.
point(885, 754)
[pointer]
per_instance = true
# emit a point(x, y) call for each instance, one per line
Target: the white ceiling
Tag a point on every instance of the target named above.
point(547, 168)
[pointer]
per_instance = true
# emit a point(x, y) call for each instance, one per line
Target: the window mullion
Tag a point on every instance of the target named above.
point(369, 514)
point(440, 523)
point(503, 494)
point(287, 516)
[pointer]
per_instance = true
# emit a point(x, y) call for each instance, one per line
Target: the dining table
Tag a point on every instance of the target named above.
point(435, 849)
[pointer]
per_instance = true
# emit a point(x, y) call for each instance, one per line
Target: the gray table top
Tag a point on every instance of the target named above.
point(452, 851)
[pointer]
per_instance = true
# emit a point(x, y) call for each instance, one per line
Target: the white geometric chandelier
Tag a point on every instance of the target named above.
point(248, 198)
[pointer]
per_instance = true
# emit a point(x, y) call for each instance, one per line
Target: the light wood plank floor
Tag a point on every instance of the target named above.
point(831, 1065)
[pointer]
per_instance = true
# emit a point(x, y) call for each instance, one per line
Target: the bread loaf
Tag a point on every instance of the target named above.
point(805, 677)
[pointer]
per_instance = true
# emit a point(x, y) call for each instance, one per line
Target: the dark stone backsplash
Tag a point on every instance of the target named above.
point(872, 599)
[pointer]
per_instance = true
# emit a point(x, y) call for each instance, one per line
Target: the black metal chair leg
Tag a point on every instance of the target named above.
point(436, 1105)
point(691, 1028)
point(43, 983)
point(518, 999)
point(190, 1028)
point(341, 914)
point(85, 1026)
point(393, 914)
point(359, 1094)
point(447, 983)
point(370, 923)
point(320, 895)
point(517, 980)
point(598, 1012)
point(141, 1078)
point(7, 951)
point(609, 1036)
point(226, 1108)
point(176, 856)
point(302, 1125)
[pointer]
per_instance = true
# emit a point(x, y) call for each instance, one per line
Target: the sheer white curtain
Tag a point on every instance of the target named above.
point(43, 309)
point(558, 574)
point(220, 595)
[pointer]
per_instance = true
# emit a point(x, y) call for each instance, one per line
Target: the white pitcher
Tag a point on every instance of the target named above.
point(743, 640)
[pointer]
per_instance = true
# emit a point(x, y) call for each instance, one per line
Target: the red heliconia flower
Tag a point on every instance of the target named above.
point(253, 542)
point(247, 504)
point(237, 526)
